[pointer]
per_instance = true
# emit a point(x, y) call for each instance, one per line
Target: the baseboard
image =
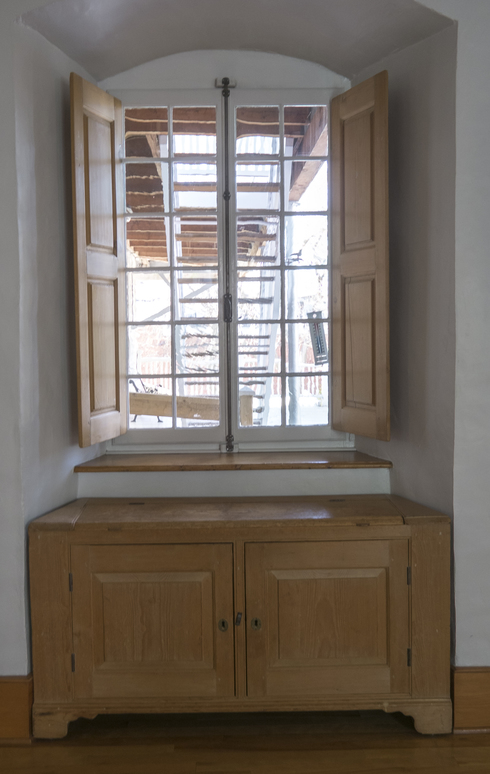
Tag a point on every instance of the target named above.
point(15, 707)
point(471, 697)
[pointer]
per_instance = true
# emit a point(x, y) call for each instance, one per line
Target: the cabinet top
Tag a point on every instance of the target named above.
point(139, 513)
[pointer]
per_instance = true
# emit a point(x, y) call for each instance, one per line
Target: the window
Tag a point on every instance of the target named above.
point(266, 249)
point(227, 269)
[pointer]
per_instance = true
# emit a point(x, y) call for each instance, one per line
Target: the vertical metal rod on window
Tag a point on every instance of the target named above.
point(227, 297)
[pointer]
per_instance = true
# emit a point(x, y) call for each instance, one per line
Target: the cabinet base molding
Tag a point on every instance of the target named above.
point(15, 707)
point(430, 716)
point(471, 686)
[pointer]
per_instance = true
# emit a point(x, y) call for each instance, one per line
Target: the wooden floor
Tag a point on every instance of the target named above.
point(300, 743)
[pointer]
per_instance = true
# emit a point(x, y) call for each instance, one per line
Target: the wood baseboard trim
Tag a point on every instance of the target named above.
point(471, 691)
point(16, 698)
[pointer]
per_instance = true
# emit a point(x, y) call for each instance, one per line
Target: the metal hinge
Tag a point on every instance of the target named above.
point(409, 576)
point(70, 582)
point(72, 662)
point(409, 657)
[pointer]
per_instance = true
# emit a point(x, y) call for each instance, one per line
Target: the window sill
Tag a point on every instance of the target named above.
point(159, 463)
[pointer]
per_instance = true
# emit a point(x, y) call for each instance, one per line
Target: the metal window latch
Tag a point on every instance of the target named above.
point(228, 307)
point(238, 619)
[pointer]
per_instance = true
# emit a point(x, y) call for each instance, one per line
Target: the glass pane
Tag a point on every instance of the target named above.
point(149, 349)
point(197, 294)
point(258, 186)
point(306, 186)
point(307, 400)
point(306, 131)
point(196, 241)
point(194, 130)
point(259, 348)
point(150, 402)
point(146, 242)
point(306, 292)
point(195, 186)
point(266, 400)
point(148, 296)
point(147, 187)
point(258, 240)
point(257, 130)
point(306, 240)
point(259, 294)
point(307, 346)
point(197, 402)
point(146, 131)
point(197, 349)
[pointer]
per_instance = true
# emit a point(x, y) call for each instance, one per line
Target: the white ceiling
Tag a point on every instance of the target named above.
point(110, 36)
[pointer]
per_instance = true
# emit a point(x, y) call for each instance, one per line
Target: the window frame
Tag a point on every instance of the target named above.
point(257, 438)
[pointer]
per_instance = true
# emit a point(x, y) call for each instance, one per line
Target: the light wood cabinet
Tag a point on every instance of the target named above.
point(257, 604)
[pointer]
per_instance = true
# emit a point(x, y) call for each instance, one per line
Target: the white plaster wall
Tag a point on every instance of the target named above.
point(472, 402)
point(250, 70)
point(235, 483)
point(422, 89)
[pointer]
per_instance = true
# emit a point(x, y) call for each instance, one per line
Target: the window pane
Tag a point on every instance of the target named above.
point(306, 240)
point(195, 186)
point(150, 402)
point(146, 242)
point(307, 346)
point(266, 400)
point(258, 186)
point(194, 130)
point(307, 400)
point(197, 294)
point(259, 348)
point(259, 294)
point(197, 402)
point(146, 132)
point(148, 296)
point(149, 349)
point(196, 241)
point(306, 186)
point(257, 130)
point(197, 349)
point(306, 292)
point(147, 187)
point(306, 131)
point(258, 240)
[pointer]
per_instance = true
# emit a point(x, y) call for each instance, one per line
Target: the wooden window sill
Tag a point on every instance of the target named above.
point(158, 463)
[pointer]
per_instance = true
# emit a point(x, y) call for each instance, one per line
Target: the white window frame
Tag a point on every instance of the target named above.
point(212, 439)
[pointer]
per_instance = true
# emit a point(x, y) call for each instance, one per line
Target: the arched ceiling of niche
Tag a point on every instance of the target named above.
point(110, 36)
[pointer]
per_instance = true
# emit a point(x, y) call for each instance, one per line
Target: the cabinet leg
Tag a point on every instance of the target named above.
point(50, 725)
point(434, 718)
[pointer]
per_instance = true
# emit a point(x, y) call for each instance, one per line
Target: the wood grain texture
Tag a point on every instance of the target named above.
point(471, 699)
point(360, 291)
point(15, 707)
point(125, 463)
point(49, 568)
point(100, 303)
point(327, 576)
point(431, 594)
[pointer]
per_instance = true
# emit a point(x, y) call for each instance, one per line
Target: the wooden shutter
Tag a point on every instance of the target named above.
point(99, 263)
point(360, 322)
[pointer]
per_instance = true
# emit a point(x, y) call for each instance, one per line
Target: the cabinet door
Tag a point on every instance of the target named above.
point(327, 618)
point(145, 621)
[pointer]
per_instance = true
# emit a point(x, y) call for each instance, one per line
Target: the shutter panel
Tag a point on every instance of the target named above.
point(360, 322)
point(99, 263)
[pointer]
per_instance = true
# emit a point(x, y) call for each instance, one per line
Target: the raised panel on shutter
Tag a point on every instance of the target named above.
point(99, 263)
point(360, 322)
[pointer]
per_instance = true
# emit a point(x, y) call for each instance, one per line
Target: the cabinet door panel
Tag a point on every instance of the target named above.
point(146, 620)
point(333, 618)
